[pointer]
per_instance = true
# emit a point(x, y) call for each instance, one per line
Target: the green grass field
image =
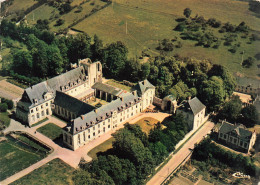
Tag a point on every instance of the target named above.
point(14, 158)
point(43, 12)
point(74, 15)
point(151, 21)
point(21, 5)
point(50, 130)
point(54, 172)
point(101, 148)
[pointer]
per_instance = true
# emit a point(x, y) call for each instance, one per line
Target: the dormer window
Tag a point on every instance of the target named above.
point(35, 101)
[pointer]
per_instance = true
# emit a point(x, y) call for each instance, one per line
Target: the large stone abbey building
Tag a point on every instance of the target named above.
point(67, 96)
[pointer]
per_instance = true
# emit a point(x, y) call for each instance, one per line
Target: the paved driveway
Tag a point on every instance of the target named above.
point(177, 158)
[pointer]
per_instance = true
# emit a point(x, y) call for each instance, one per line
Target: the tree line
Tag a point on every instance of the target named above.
point(134, 154)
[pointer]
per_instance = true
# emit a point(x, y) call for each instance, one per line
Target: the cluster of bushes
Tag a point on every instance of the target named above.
point(134, 154)
point(218, 157)
point(196, 29)
point(167, 45)
point(5, 104)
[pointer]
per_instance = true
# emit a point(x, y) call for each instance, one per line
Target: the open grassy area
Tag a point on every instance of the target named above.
point(4, 119)
point(43, 12)
point(14, 158)
point(50, 130)
point(147, 124)
point(151, 21)
point(75, 15)
point(54, 172)
point(117, 84)
point(101, 148)
point(21, 5)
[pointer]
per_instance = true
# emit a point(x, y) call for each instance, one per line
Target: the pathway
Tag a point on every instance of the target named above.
point(178, 157)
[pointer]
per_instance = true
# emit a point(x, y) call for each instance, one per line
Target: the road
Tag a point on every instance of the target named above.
point(177, 158)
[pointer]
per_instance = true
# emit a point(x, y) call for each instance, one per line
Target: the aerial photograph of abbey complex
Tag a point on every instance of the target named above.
point(130, 92)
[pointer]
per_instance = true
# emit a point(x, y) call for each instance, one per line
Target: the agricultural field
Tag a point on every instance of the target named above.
point(15, 157)
point(50, 130)
point(10, 91)
point(20, 5)
point(75, 14)
point(141, 25)
point(43, 12)
point(54, 172)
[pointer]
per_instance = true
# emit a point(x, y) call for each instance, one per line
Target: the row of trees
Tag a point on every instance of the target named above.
point(219, 157)
point(134, 154)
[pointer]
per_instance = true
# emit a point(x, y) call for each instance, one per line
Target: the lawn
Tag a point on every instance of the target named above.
point(50, 130)
point(4, 119)
point(101, 148)
point(39, 122)
point(14, 158)
point(151, 21)
point(117, 84)
point(54, 172)
point(147, 124)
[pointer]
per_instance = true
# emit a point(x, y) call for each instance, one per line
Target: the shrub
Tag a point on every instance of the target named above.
point(248, 62)
point(9, 103)
point(3, 107)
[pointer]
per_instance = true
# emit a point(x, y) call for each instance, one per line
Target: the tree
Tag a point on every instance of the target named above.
point(187, 12)
point(3, 107)
point(232, 109)
point(79, 47)
point(22, 63)
point(212, 92)
point(145, 71)
point(96, 48)
point(247, 63)
point(114, 58)
point(250, 115)
point(59, 22)
point(42, 24)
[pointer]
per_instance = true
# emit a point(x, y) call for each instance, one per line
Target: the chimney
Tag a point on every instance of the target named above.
point(82, 117)
point(121, 98)
point(189, 97)
point(96, 111)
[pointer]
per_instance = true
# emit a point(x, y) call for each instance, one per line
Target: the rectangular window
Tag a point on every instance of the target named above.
point(221, 135)
point(245, 145)
point(108, 126)
point(225, 136)
point(42, 106)
point(89, 136)
point(46, 104)
point(84, 136)
point(94, 133)
point(88, 130)
point(241, 143)
point(108, 120)
point(235, 140)
point(31, 110)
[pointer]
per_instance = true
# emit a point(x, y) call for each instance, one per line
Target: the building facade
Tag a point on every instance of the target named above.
point(194, 111)
point(37, 101)
point(68, 94)
point(91, 125)
point(236, 136)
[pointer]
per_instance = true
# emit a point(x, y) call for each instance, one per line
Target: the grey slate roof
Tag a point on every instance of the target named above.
point(37, 92)
point(72, 104)
point(107, 88)
point(142, 86)
point(63, 79)
point(101, 113)
point(242, 133)
point(245, 81)
point(194, 105)
point(52, 85)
